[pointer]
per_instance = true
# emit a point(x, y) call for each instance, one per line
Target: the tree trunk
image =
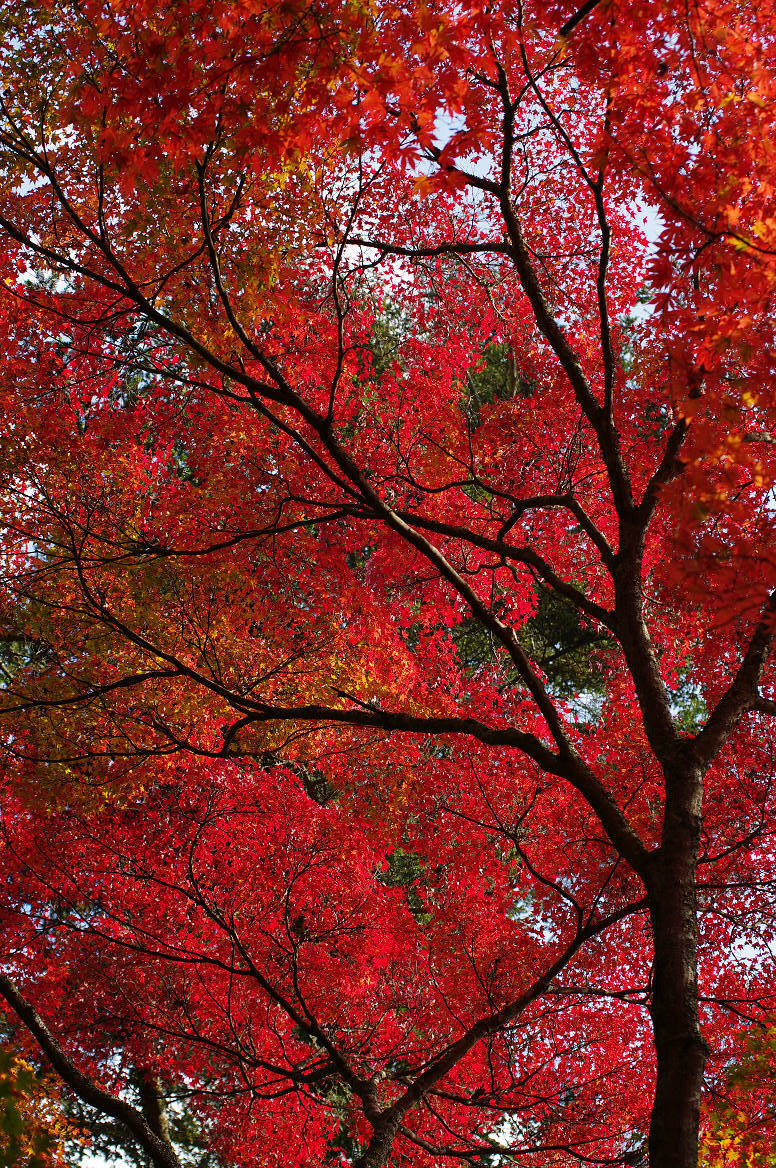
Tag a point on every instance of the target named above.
point(153, 1104)
point(376, 1153)
point(679, 1045)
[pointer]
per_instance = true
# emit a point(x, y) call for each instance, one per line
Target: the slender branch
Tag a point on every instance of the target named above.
point(669, 467)
point(578, 17)
point(454, 247)
point(566, 764)
point(522, 555)
point(572, 504)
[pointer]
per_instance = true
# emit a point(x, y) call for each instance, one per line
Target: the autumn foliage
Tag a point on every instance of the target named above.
point(388, 589)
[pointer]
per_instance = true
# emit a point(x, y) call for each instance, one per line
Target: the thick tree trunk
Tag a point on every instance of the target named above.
point(376, 1154)
point(679, 1044)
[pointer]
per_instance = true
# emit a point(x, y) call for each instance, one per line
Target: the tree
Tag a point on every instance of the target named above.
point(388, 593)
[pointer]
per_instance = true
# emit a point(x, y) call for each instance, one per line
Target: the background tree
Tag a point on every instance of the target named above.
point(742, 1114)
point(388, 607)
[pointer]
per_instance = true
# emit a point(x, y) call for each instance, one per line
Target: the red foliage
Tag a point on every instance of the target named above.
point(388, 584)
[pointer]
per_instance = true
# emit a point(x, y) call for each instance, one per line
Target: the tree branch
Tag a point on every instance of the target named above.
point(578, 17)
point(742, 694)
point(159, 1150)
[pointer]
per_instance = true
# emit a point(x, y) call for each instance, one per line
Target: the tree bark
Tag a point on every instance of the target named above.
point(377, 1151)
point(679, 1044)
point(153, 1105)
